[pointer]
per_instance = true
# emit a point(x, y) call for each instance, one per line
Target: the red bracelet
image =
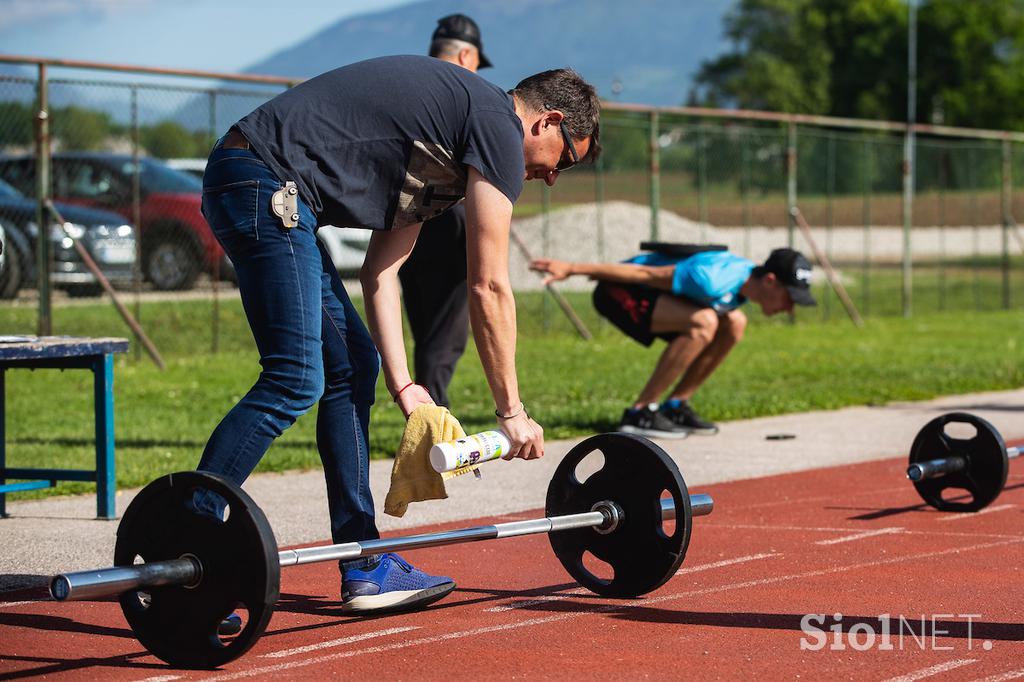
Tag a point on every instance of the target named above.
point(411, 383)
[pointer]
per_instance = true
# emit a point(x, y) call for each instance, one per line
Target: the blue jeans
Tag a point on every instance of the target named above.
point(312, 344)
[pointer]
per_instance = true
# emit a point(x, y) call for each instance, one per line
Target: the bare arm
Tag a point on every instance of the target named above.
point(656, 276)
point(381, 293)
point(492, 309)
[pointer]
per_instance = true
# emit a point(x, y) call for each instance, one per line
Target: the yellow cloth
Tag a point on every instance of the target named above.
point(412, 477)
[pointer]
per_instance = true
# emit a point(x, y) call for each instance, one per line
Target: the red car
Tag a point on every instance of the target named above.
point(176, 242)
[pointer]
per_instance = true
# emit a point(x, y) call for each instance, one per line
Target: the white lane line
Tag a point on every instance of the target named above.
point(986, 510)
point(725, 562)
point(1003, 677)
point(934, 670)
point(339, 642)
point(829, 529)
point(860, 536)
point(9, 604)
point(162, 678)
point(598, 609)
point(686, 569)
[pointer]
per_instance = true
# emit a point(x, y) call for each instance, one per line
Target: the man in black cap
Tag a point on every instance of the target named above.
point(434, 277)
point(691, 301)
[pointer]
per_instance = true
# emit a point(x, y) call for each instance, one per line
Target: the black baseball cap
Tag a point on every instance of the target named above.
point(794, 272)
point(461, 27)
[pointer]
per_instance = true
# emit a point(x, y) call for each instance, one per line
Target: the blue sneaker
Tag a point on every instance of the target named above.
point(390, 584)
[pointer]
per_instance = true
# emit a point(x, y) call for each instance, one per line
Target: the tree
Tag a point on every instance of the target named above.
point(15, 125)
point(80, 129)
point(167, 140)
point(849, 58)
point(971, 63)
point(781, 61)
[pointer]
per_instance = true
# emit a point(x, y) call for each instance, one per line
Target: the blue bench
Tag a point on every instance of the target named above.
point(65, 352)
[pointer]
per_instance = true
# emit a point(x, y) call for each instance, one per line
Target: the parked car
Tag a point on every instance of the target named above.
point(176, 241)
point(109, 239)
point(3, 256)
point(194, 167)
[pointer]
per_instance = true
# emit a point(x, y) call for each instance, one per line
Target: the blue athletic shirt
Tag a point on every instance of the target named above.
point(710, 278)
point(385, 142)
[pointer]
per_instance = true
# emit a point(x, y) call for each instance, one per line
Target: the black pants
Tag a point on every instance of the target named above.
point(435, 293)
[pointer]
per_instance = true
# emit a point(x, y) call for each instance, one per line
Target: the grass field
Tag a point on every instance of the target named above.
point(572, 387)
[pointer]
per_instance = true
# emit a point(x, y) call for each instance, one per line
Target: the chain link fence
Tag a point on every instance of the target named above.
point(123, 151)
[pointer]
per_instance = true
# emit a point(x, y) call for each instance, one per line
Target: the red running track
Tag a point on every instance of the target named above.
point(851, 540)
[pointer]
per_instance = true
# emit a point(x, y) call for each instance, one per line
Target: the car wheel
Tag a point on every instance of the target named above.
point(171, 264)
point(12, 273)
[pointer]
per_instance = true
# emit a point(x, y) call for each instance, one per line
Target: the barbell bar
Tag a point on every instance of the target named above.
point(179, 571)
point(978, 464)
point(188, 571)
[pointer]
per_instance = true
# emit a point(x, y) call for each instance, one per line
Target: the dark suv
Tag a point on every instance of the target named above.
point(176, 241)
point(108, 237)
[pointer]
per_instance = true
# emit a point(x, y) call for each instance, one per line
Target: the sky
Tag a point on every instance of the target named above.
point(208, 35)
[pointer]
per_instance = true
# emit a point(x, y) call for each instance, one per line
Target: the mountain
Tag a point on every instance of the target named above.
point(652, 48)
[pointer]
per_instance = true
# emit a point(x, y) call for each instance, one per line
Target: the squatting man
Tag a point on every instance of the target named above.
point(691, 301)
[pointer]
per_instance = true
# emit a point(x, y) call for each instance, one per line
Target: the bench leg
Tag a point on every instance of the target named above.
point(103, 399)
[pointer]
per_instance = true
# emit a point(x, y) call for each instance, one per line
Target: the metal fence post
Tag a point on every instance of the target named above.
point(655, 171)
point(702, 183)
point(1007, 188)
point(44, 251)
point(908, 217)
point(745, 192)
point(137, 211)
point(944, 184)
point(545, 249)
point(791, 183)
point(215, 312)
point(599, 200)
point(975, 230)
point(868, 183)
point(830, 189)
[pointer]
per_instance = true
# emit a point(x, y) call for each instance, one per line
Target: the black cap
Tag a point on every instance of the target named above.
point(461, 27)
point(794, 272)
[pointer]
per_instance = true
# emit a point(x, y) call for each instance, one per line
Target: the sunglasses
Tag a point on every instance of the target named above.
point(565, 164)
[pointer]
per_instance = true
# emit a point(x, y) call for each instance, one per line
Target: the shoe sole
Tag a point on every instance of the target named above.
point(397, 600)
point(702, 432)
point(654, 433)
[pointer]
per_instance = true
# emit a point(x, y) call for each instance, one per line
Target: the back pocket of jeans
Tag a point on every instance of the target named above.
point(233, 209)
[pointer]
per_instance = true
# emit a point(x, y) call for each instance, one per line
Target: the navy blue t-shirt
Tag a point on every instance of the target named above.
point(384, 143)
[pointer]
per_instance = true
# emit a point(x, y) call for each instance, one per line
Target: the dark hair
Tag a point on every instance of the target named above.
point(566, 91)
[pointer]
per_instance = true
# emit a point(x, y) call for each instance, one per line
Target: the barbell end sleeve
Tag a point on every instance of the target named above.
point(1012, 452)
point(700, 505)
point(115, 580)
point(915, 472)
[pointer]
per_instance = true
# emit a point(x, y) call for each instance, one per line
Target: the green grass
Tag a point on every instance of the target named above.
point(572, 387)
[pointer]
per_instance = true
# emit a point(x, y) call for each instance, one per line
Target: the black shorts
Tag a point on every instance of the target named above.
point(629, 307)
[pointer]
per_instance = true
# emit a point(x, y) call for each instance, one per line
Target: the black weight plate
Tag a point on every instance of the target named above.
point(635, 474)
point(240, 569)
point(987, 463)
